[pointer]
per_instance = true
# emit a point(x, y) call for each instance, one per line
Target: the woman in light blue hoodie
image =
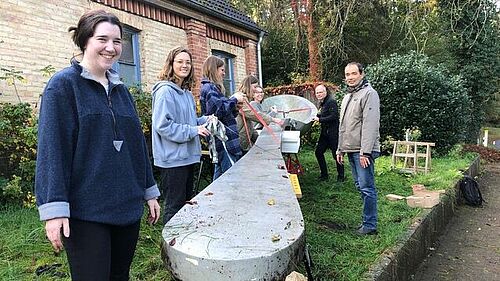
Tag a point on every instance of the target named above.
point(176, 130)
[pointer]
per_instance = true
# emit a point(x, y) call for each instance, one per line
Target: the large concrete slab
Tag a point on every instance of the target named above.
point(247, 225)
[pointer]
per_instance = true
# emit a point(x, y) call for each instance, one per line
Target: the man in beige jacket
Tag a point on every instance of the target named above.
point(359, 138)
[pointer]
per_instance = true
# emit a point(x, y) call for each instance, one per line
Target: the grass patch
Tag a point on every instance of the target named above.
point(24, 248)
point(331, 212)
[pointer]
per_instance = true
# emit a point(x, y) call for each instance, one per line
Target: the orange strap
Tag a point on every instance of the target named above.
point(294, 110)
point(261, 120)
point(246, 127)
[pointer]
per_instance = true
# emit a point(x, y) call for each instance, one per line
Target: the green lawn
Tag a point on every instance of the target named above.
point(331, 212)
point(23, 249)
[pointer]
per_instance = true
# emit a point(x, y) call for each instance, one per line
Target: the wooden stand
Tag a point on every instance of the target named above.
point(205, 170)
point(409, 151)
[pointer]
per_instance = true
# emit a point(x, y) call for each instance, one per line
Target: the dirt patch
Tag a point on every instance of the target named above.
point(470, 247)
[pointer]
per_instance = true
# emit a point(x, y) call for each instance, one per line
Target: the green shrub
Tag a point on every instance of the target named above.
point(415, 93)
point(143, 105)
point(12, 191)
point(18, 140)
point(310, 138)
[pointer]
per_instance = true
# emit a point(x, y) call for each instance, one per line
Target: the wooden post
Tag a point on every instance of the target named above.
point(415, 158)
point(405, 165)
point(393, 162)
point(428, 158)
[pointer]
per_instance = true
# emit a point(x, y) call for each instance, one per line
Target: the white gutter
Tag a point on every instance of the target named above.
point(259, 57)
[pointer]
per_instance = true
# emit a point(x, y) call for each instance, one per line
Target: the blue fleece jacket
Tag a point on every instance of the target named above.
point(82, 171)
point(214, 102)
point(175, 134)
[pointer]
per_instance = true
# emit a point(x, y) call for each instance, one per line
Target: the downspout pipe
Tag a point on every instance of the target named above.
point(259, 57)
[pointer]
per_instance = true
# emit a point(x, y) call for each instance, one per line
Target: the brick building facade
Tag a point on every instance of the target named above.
point(34, 35)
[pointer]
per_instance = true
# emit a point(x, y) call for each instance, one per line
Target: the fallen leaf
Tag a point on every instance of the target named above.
point(271, 202)
point(288, 224)
point(276, 238)
point(172, 242)
point(209, 193)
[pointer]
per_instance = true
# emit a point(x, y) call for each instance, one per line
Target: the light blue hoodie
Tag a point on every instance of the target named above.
point(174, 126)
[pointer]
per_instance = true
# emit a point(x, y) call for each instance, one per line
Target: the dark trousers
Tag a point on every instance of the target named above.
point(99, 251)
point(177, 186)
point(327, 141)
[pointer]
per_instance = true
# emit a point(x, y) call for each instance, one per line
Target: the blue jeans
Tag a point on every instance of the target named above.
point(224, 163)
point(364, 179)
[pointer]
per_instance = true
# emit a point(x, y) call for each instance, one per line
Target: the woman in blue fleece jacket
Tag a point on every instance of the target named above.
point(213, 102)
point(93, 175)
point(176, 130)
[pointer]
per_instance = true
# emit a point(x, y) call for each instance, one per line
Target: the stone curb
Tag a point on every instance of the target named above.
point(403, 260)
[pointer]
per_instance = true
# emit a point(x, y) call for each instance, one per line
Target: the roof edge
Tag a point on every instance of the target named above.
point(201, 8)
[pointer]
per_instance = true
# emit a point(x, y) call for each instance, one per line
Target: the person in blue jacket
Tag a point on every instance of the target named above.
point(93, 175)
point(214, 102)
point(176, 130)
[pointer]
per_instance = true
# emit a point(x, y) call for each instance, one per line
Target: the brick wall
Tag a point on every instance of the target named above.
point(33, 35)
point(197, 44)
point(32, 38)
point(251, 57)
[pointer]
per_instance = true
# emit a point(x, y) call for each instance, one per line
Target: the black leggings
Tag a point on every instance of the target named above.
point(177, 186)
point(99, 251)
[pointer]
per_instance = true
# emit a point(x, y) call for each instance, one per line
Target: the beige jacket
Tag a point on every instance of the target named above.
point(360, 122)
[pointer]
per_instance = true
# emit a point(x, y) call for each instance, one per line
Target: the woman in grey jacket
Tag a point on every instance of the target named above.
point(176, 130)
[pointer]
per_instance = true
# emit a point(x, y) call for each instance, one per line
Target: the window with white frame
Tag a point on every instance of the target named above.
point(229, 77)
point(128, 65)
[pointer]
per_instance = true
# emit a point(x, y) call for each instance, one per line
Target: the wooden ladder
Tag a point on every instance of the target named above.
point(409, 150)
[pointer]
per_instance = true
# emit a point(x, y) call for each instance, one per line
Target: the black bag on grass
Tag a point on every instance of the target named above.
point(470, 191)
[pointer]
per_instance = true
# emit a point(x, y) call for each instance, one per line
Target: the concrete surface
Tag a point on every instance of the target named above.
point(247, 225)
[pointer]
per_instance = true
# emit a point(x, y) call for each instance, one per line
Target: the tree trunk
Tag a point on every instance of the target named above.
point(312, 40)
